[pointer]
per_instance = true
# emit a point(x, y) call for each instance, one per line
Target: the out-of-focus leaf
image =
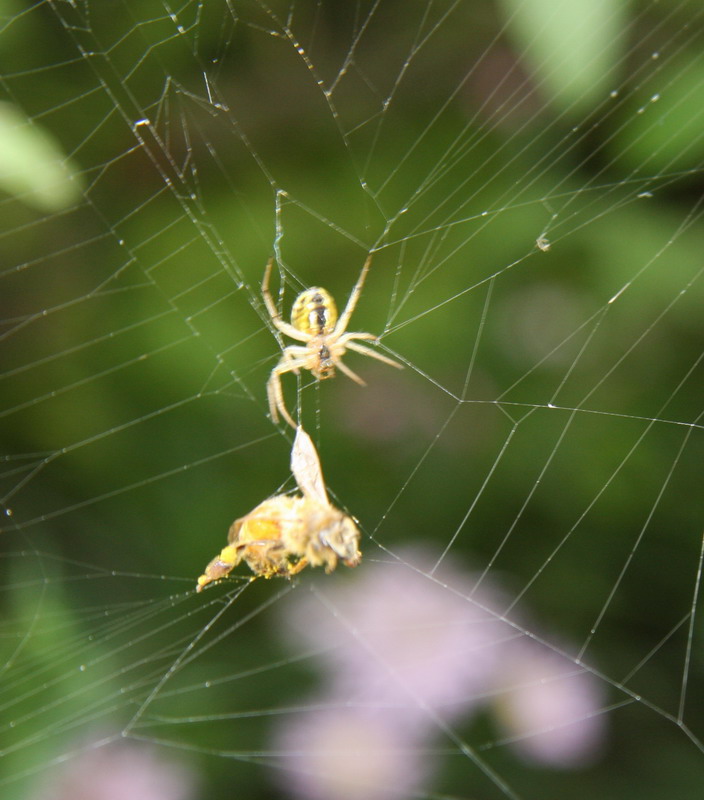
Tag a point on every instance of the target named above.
point(571, 47)
point(32, 164)
point(664, 129)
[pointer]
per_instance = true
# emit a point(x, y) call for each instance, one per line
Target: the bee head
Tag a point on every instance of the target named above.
point(342, 537)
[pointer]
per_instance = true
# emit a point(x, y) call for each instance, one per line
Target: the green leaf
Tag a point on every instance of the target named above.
point(572, 47)
point(33, 166)
point(661, 127)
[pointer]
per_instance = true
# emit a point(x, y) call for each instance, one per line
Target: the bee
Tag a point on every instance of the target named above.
point(286, 533)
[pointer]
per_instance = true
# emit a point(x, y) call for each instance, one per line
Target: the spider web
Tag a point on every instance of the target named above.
point(527, 179)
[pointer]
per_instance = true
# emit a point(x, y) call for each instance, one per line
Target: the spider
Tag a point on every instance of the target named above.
point(314, 322)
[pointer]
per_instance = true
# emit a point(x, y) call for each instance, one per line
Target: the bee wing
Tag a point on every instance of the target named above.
point(305, 466)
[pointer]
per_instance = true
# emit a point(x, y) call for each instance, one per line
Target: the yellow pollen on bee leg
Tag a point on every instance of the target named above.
point(219, 567)
point(229, 554)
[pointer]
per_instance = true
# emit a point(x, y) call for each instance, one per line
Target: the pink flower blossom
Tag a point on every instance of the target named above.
point(399, 638)
point(407, 650)
point(345, 753)
point(549, 707)
point(116, 772)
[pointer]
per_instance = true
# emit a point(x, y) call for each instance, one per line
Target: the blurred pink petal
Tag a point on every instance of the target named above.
point(343, 753)
point(397, 637)
point(118, 772)
point(551, 708)
point(405, 651)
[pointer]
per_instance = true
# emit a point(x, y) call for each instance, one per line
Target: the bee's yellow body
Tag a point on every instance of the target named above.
point(285, 533)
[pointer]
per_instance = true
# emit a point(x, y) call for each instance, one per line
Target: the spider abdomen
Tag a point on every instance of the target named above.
point(314, 312)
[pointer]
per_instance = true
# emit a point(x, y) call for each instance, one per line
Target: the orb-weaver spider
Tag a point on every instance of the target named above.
point(314, 322)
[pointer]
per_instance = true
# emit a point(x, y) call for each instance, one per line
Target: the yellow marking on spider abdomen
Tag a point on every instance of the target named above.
point(314, 312)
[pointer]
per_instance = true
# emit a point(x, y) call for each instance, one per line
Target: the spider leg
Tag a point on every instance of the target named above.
point(290, 362)
point(347, 337)
point(344, 319)
point(274, 313)
point(275, 396)
point(367, 351)
point(293, 359)
point(347, 371)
